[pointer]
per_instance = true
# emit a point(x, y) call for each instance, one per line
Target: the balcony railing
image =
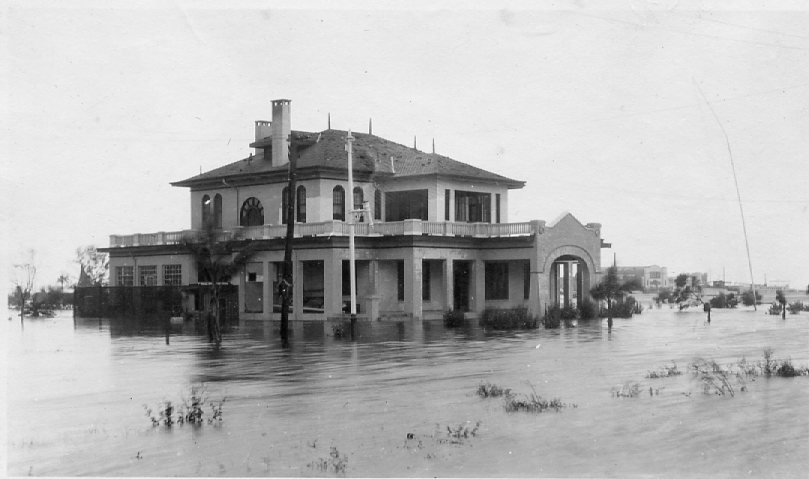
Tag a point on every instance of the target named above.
point(340, 228)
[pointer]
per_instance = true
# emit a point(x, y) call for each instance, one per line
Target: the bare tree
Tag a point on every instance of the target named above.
point(611, 288)
point(23, 278)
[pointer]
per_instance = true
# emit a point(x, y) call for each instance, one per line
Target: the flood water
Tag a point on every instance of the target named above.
point(331, 406)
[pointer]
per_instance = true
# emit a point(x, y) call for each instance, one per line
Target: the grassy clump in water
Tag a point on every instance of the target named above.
point(716, 379)
point(626, 390)
point(489, 390)
point(336, 462)
point(533, 403)
point(665, 372)
point(190, 411)
point(513, 318)
point(459, 434)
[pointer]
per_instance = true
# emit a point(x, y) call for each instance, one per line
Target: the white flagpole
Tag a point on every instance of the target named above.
point(350, 194)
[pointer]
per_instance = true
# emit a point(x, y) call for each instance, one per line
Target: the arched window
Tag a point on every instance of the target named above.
point(338, 203)
point(358, 199)
point(252, 213)
point(206, 210)
point(300, 205)
point(377, 204)
point(284, 204)
point(217, 211)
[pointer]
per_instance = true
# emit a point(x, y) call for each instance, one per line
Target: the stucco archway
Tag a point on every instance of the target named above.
point(570, 273)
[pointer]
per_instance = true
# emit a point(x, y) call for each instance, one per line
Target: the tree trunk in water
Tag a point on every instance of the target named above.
point(784, 311)
point(609, 314)
point(214, 328)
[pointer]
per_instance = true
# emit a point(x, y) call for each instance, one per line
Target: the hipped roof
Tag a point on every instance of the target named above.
point(325, 151)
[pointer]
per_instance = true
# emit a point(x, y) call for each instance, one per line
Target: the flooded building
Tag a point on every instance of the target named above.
point(432, 233)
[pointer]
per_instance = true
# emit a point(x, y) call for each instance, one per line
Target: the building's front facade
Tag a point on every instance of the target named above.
point(652, 278)
point(433, 233)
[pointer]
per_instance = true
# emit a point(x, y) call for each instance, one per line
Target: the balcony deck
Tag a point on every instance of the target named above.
point(340, 228)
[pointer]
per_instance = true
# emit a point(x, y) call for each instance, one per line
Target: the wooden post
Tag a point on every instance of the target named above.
point(287, 279)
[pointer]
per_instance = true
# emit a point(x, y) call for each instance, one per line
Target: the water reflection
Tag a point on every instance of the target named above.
point(77, 390)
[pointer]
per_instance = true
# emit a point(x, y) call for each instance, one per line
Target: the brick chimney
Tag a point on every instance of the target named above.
point(263, 130)
point(280, 132)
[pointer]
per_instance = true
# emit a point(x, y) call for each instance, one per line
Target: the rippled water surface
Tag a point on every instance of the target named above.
point(328, 406)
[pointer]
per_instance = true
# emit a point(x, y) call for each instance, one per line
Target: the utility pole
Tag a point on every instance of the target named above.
point(285, 287)
point(351, 258)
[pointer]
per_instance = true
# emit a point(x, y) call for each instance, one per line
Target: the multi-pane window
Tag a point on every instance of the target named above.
point(300, 205)
point(472, 207)
point(377, 204)
point(252, 213)
point(147, 275)
point(496, 280)
point(217, 211)
point(124, 276)
point(338, 203)
point(284, 205)
point(172, 274)
point(403, 205)
point(206, 210)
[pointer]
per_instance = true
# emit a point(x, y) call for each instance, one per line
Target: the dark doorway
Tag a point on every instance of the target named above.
point(461, 271)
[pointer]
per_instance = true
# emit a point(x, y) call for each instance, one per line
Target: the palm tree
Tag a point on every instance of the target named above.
point(611, 288)
point(218, 257)
point(62, 279)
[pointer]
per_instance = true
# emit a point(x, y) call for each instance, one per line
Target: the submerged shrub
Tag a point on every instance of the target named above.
point(488, 390)
point(665, 372)
point(587, 309)
point(533, 403)
point(336, 462)
point(796, 307)
point(626, 390)
point(513, 318)
point(190, 411)
point(453, 319)
point(552, 318)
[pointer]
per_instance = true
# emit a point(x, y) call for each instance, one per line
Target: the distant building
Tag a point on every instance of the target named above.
point(650, 277)
point(432, 233)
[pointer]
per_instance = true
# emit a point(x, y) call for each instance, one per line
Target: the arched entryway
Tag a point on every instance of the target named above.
point(569, 281)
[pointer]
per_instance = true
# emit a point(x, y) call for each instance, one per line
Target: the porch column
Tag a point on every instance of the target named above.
point(479, 289)
point(266, 290)
point(332, 284)
point(449, 290)
point(413, 293)
point(297, 288)
point(373, 298)
point(566, 283)
point(535, 301)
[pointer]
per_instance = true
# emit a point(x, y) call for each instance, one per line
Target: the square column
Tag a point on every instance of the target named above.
point(449, 289)
point(478, 289)
point(332, 284)
point(413, 286)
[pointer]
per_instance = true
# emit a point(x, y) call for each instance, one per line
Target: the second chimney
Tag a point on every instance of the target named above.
point(263, 130)
point(280, 132)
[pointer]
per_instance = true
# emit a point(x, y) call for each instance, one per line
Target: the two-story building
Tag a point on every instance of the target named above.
point(433, 233)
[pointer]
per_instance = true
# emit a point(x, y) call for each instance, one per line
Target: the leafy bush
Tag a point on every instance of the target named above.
point(747, 298)
point(569, 312)
point(553, 317)
point(775, 309)
point(587, 309)
point(488, 390)
point(724, 301)
point(514, 318)
point(533, 403)
point(453, 319)
point(796, 307)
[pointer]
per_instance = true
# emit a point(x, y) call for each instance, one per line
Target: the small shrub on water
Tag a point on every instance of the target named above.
point(453, 319)
point(336, 462)
point(553, 318)
point(492, 390)
point(667, 371)
point(533, 403)
point(626, 390)
point(190, 412)
point(587, 309)
point(513, 318)
point(796, 307)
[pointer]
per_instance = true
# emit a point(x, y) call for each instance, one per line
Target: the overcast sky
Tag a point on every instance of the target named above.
point(605, 113)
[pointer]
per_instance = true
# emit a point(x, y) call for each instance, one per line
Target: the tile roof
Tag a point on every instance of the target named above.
point(372, 155)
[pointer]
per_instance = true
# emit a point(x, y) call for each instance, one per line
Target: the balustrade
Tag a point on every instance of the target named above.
point(340, 228)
